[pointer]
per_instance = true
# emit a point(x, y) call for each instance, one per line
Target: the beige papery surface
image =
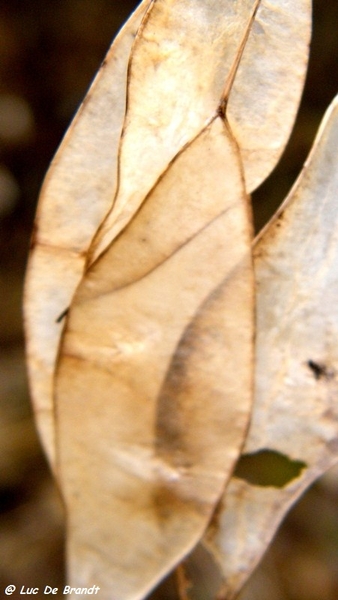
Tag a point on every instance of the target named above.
point(183, 68)
point(168, 103)
point(154, 382)
point(264, 99)
point(74, 199)
point(153, 385)
point(295, 408)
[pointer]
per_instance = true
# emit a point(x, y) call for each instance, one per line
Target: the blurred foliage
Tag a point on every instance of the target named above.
point(49, 53)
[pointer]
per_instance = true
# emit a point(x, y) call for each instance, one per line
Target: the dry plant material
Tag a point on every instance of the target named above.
point(82, 182)
point(76, 195)
point(174, 88)
point(265, 95)
point(149, 350)
point(139, 301)
point(295, 408)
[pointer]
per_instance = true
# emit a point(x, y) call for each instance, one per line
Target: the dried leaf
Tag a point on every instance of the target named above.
point(267, 88)
point(295, 417)
point(167, 107)
point(174, 88)
point(153, 387)
point(154, 479)
point(76, 195)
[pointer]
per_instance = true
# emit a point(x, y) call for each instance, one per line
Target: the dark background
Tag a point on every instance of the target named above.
point(49, 53)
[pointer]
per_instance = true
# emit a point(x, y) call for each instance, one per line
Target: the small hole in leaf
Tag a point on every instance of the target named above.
point(268, 468)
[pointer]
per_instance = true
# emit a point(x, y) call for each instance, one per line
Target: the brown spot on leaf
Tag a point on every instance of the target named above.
point(319, 370)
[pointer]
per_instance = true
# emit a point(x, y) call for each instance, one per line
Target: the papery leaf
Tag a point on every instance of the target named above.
point(75, 197)
point(167, 106)
point(153, 387)
point(182, 58)
point(295, 417)
point(182, 70)
point(265, 96)
point(153, 383)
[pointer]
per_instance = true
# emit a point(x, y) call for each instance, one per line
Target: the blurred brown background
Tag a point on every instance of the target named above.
point(49, 53)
